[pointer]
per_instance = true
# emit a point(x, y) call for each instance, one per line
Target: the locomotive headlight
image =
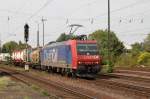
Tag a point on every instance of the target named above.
point(96, 57)
point(79, 62)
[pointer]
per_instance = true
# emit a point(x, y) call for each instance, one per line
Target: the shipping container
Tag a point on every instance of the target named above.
point(19, 56)
point(35, 56)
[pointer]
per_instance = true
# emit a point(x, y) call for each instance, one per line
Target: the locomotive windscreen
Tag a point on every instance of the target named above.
point(87, 49)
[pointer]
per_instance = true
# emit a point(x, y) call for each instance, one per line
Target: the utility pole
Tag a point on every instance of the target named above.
point(108, 41)
point(43, 20)
point(38, 43)
point(8, 25)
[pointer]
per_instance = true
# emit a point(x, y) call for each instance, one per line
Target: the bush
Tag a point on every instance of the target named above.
point(126, 60)
point(144, 59)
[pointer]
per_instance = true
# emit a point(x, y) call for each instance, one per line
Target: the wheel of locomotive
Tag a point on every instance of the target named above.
point(73, 74)
point(49, 69)
point(69, 74)
point(63, 72)
point(54, 69)
point(59, 70)
point(45, 69)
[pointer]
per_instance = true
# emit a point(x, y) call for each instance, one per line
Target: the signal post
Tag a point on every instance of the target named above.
point(26, 38)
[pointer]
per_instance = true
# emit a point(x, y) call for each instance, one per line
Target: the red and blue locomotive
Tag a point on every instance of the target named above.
point(74, 57)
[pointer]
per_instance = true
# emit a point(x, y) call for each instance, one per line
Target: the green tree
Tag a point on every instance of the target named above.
point(146, 43)
point(144, 58)
point(22, 45)
point(62, 37)
point(9, 47)
point(65, 37)
point(136, 48)
point(116, 46)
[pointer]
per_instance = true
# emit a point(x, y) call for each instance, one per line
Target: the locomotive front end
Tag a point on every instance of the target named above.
point(88, 59)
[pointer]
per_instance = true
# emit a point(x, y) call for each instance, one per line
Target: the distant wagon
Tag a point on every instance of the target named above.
point(4, 57)
point(35, 58)
point(19, 56)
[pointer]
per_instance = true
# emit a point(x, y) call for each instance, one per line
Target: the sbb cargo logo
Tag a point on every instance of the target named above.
point(52, 55)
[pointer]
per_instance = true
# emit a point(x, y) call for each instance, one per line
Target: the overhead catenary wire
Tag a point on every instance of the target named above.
point(82, 19)
point(132, 30)
point(82, 6)
point(22, 5)
point(35, 13)
point(122, 8)
point(40, 9)
point(15, 12)
point(89, 3)
point(57, 18)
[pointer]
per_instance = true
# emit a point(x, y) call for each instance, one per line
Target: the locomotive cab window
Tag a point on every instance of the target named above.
point(84, 49)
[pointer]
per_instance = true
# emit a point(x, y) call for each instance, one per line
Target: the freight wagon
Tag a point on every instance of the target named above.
point(19, 56)
point(4, 57)
point(35, 58)
point(74, 57)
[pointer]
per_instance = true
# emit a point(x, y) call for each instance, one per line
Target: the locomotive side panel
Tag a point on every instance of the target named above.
point(64, 56)
point(56, 56)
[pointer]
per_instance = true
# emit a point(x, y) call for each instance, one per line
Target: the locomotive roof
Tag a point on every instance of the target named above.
point(55, 44)
point(65, 43)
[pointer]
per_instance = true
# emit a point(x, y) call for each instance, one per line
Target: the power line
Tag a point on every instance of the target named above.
point(39, 10)
point(122, 8)
point(34, 14)
point(14, 12)
point(80, 7)
point(128, 6)
point(142, 34)
point(81, 19)
point(22, 5)
point(147, 28)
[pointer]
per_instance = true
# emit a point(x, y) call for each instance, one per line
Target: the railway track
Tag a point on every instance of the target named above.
point(133, 90)
point(136, 72)
point(61, 90)
point(127, 86)
point(116, 85)
point(138, 90)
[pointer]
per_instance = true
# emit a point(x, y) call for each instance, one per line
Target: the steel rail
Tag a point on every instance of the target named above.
point(44, 81)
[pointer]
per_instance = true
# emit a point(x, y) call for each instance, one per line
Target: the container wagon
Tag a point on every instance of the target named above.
point(35, 58)
point(19, 57)
point(4, 57)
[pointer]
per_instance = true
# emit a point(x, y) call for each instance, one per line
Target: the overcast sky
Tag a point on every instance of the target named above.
point(129, 18)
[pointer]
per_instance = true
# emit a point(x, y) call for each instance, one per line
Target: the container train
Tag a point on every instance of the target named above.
point(73, 57)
